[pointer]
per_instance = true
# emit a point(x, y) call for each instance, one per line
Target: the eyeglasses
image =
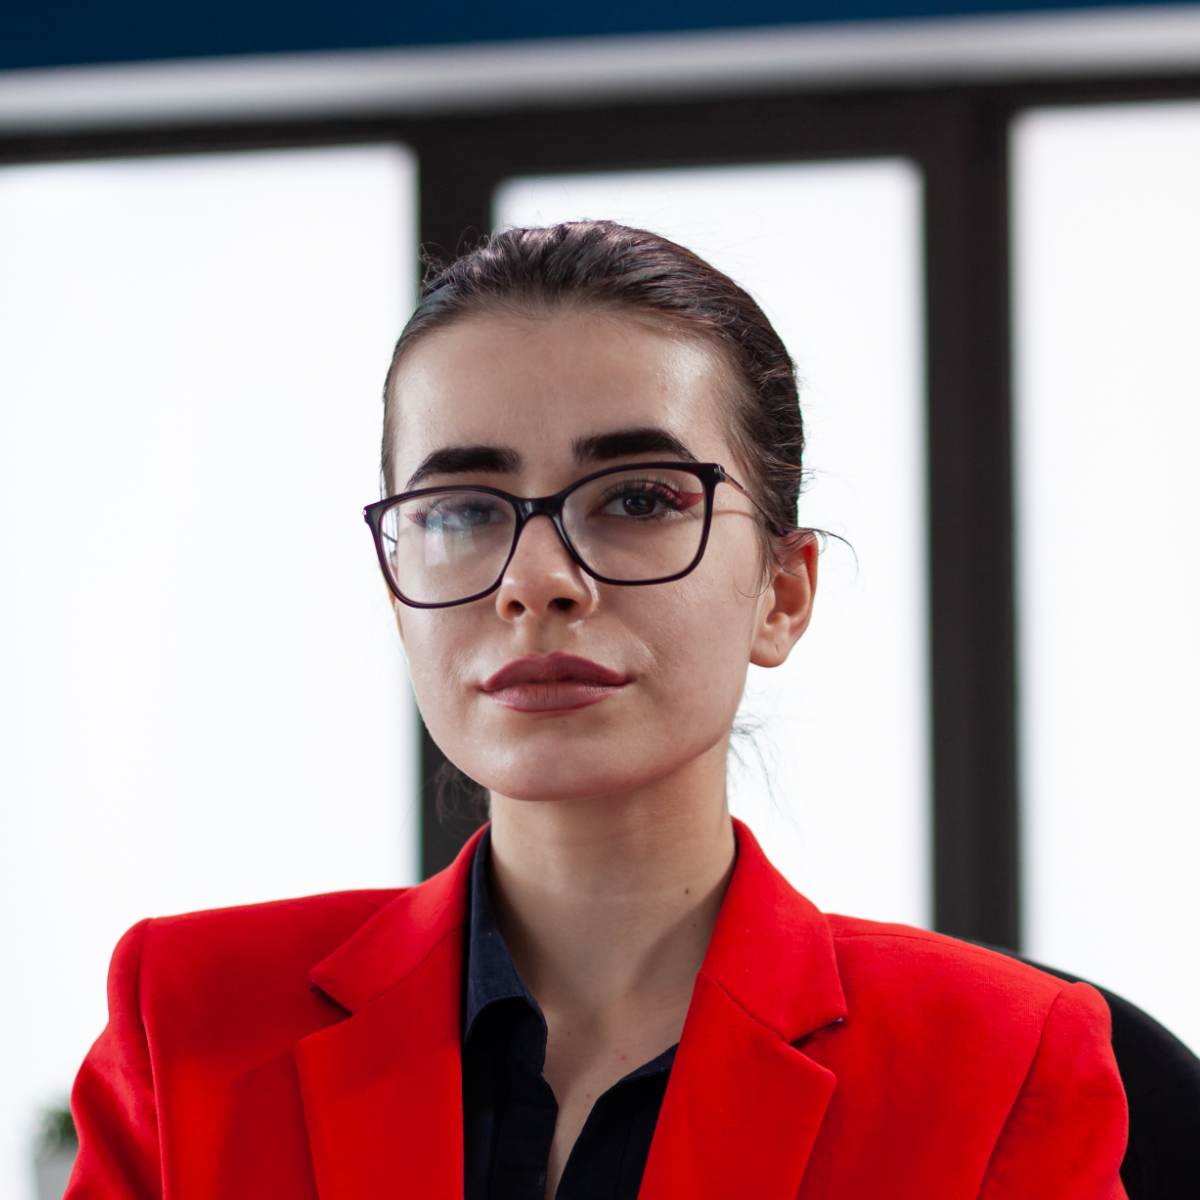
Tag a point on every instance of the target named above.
point(631, 525)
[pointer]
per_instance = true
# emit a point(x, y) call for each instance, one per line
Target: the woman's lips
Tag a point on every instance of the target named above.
point(552, 697)
point(551, 683)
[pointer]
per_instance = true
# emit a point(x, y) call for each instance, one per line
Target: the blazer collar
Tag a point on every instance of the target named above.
point(771, 949)
point(398, 938)
point(383, 1089)
point(744, 1106)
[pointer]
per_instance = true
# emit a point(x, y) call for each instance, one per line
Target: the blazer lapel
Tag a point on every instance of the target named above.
point(743, 1105)
point(383, 1089)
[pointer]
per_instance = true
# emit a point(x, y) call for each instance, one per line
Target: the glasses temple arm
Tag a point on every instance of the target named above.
point(772, 524)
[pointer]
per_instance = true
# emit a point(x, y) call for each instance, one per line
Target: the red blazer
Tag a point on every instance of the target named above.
point(310, 1048)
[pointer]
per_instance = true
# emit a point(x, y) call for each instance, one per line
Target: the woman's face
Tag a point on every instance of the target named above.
point(537, 401)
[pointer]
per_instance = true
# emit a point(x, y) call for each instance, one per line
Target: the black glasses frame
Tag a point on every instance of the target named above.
point(709, 474)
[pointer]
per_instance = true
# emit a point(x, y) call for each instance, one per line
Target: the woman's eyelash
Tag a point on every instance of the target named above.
point(647, 487)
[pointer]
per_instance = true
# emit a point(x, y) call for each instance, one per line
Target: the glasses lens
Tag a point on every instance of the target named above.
point(447, 545)
point(638, 525)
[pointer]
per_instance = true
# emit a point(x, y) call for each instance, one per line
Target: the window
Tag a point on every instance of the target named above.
point(203, 696)
point(1107, 258)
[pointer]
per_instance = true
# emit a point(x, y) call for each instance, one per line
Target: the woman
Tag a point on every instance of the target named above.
point(592, 457)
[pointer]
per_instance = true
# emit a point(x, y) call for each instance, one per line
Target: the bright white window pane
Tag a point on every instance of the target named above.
point(202, 698)
point(833, 253)
point(1107, 204)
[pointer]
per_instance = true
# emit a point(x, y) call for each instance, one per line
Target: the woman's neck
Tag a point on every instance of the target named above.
point(609, 903)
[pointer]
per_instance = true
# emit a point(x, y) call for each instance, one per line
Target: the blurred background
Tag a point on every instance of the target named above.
point(974, 222)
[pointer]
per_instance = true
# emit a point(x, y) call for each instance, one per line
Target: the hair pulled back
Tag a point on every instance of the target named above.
point(606, 266)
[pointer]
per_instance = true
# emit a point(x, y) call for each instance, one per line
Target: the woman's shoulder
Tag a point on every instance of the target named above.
point(250, 942)
point(964, 1065)
point(899, 950)
point(926, 980)
point(299, 912)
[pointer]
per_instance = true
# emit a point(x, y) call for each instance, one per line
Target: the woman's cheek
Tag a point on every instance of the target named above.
point(698, 683)
point(438, 653)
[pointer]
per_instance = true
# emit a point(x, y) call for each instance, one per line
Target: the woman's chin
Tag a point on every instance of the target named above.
point(540, 790)
point(591, 773)
point(562, 763)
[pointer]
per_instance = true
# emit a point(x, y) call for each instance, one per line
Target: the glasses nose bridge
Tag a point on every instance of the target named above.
point(542, 506)
point(546, 506)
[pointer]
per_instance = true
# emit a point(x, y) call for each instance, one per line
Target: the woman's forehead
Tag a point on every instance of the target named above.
point(539, 385)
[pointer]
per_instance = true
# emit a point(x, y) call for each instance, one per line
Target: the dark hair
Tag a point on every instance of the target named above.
point(603, 265)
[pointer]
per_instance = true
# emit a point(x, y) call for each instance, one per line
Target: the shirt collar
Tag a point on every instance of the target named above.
point(491, 973)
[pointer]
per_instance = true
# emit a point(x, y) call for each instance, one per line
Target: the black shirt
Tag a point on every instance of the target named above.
point(509, 1110)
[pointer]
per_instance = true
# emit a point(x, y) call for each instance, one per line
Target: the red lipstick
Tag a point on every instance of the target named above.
point(553, 683)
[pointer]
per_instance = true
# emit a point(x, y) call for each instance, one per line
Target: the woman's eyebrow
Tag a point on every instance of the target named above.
point(621, 443)
point(453, 460)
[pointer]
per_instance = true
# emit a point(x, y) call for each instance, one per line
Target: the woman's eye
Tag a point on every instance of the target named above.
point(642, 503)
point(450, 516)
point(640, 506)
point(464, 516)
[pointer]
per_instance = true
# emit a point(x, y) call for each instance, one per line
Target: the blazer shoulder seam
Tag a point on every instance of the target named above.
point(917, 936)
point(936, 939)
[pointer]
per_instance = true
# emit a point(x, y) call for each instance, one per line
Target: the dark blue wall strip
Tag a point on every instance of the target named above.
point(39, 33)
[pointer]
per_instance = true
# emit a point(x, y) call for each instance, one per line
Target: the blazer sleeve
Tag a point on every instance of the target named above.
point(113, 1099)
point(1065, 1134)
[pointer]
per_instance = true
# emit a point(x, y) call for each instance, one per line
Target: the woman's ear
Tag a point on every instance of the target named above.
point(787, 602)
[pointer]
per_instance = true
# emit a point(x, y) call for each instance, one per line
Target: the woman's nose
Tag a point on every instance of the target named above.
point(542, 577)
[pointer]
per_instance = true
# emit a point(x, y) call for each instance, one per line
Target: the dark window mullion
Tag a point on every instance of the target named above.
point(976, 887)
